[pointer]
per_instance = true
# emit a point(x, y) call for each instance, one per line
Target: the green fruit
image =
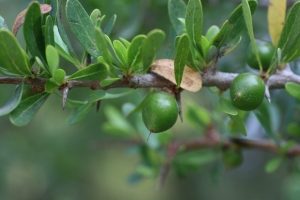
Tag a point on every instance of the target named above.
point(247, 91)
point(232, 158)
point(265, 51)
point(160, 112)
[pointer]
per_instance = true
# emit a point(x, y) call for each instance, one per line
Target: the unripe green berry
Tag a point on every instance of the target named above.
point(265, 51)
point(160, 112)
point(247, 91)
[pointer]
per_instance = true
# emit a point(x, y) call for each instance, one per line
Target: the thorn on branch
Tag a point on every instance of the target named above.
point(65, 92)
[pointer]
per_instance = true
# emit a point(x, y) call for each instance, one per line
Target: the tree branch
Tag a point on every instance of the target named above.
point(222, 80)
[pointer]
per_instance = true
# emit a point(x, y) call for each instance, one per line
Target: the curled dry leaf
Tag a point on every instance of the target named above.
point(45, 8)
point(191, 79)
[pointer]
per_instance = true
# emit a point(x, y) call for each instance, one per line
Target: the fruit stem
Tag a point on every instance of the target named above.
point(149, 136)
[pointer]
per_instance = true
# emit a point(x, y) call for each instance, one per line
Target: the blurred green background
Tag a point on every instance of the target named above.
point(49, 159)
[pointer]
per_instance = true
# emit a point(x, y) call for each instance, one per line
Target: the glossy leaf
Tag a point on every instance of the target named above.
point(12, 57)
point(227, 107)
point(249, 26)
point(121, 53)
point(134, 55)
point(49, 32)
point(151, 46)
point(96, 95)
point(177, 9)
point(52, 59)
point(81, 26)
point(70, 102)
point(197, 116)
point(232, 45)
point(50, 85)
point(78, 114)
point(239, 123)
point(2, 23)
point(96, 17)
point(95, 71)
point(59, 76)
point(14, 101)
point(108, 81)
point(102, 46)
point(276, 18)
point(182, 51)
point(273, 164)
point(125, 42)
point(27, 108)
point(291, 31)
point(211, 33)
point(117, 120)
point(33, 33)
point(211, 54)
point(262, 113)
point(61, 29)
point(194, 21)
point(110, 24)
point(293, 89)
point(234, 25)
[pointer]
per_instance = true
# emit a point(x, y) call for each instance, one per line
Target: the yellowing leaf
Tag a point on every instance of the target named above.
point(276, 17)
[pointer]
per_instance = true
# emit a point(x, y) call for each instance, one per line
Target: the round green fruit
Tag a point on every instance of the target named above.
point(247, 91)
point(265, 51)
point(160, 112)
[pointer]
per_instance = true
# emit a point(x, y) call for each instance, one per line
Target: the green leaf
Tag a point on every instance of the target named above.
point(293, 129)
point(117, 122)
point(150, 47)
point(239, 123)
point(227, 107)
point(117, 95)
point(49, 32)
point(211, 54)
point(125, 42)
point(197, 116)
point(50, 85)
point(2, 23)
point(52, 59)
point(211, 33)
point(177, 9)
point(81, 26)
point(61, 47)
point(232, 46)
point(291, 31)
point(108, 81)
point(14, 101)
point(234, 25)
point(27, 108)
point(101, 43)
point(33, 33)
point(273, 164)
point(59, 76)
point(96, 95)
point(194, 21)
point(262, 113)
point(249, 25)
point(71, 103)
point(293, 89)
point(134, 55)
point(121, 53)
point(96, 17)
point(95, 71)
point(78, 114)
point(110, 24)
point(12, 56)
point(182, 51)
